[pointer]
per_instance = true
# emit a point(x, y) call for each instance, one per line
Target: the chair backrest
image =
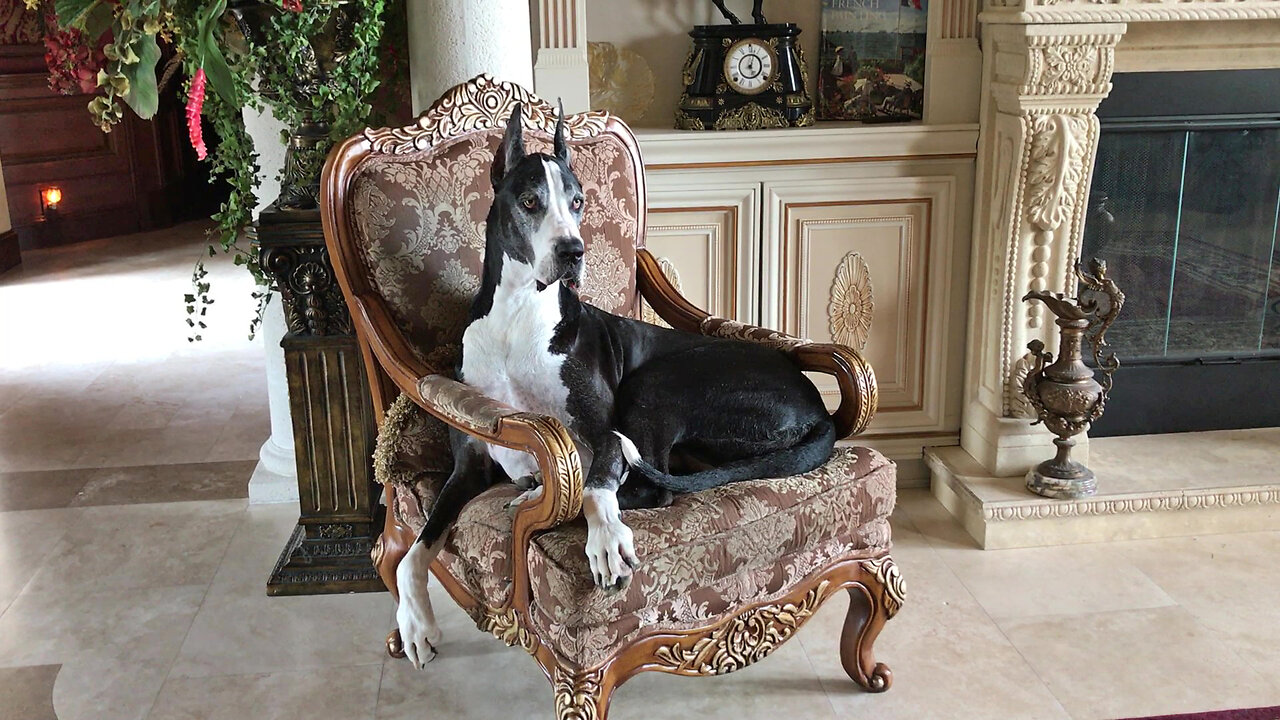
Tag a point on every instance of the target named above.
point(406, 207)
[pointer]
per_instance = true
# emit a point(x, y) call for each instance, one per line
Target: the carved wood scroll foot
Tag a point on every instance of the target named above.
point(395, 646)
point(871, 603)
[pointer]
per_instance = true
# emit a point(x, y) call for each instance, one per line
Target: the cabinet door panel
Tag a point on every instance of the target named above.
point(706, 242)
point(844, 249)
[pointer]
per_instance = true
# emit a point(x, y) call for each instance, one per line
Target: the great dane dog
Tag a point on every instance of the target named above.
point(652, 410)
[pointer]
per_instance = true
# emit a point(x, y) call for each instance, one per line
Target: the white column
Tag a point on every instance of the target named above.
point(561, 70)
point(452, 41)
point(275, 479)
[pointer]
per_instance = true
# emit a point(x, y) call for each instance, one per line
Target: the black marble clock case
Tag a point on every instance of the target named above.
point(709, 103)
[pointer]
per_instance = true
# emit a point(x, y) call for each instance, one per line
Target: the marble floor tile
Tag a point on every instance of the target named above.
point(1076, 579)
point(254, 549)
point(140, 546)
point(166, 483)
point(121, 626)
point(90, 688)
point(949, 660)
point(26, 693)
point(234, 633)
point(1229, 583)
point(336, 693)
point(26, 540)
point(1135, 663)
point(40, 489)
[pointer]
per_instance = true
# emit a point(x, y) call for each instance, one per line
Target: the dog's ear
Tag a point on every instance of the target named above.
point(511, 150)
point(561, 147)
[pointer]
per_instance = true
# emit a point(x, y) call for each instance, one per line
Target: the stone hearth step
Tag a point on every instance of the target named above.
point(1148, 486)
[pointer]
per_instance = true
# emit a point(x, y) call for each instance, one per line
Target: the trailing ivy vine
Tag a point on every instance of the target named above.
point(202, 39)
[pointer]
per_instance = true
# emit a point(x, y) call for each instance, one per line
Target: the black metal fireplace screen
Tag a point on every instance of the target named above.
point(1185, 208)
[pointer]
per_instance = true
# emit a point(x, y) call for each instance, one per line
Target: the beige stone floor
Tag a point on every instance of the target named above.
point(134, 596)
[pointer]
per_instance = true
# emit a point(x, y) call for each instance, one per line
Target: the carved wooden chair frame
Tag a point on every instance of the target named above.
point(749, 634)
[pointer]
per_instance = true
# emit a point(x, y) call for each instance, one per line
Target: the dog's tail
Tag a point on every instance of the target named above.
point(812, 450)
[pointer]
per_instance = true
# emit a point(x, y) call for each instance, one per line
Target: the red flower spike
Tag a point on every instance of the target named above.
point(291, 5)
point(195, 104)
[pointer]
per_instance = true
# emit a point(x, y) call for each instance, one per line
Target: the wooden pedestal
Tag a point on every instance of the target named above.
point(333, 425)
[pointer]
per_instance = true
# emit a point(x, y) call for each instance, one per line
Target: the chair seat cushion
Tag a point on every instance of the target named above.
point(699, 558)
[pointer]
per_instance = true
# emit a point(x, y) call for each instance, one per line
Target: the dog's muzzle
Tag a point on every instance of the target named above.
point(569, 252)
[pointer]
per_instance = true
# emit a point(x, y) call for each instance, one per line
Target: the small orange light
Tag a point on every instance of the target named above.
point(51, 196)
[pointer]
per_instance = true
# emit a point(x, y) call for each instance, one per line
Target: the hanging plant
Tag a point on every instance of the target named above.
point(220, 65)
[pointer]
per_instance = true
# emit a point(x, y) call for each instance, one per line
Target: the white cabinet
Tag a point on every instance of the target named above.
point(807, 244)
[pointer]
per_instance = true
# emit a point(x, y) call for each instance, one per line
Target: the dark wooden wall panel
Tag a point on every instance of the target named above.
point(133, 178)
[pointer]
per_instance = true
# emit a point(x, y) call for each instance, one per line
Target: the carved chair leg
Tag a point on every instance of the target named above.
point(581, 696)
point(389, 549)
point(871, 603)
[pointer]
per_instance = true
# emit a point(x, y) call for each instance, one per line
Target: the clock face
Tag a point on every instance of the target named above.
point(749, 66)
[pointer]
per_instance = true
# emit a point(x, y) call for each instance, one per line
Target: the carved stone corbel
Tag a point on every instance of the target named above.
point(1045, 84)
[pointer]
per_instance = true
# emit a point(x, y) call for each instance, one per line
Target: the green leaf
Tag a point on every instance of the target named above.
point(219, 74)
point(143, 95)
point(71, 13)
point(98, 20)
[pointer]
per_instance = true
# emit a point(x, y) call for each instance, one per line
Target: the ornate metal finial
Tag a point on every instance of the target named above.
point(1065, 395)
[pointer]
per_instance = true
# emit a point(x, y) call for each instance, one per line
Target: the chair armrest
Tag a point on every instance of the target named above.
point(857, 381)
point(546, 438)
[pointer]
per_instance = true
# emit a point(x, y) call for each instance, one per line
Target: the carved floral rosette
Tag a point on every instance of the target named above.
point(852, 303)
point(480, 104)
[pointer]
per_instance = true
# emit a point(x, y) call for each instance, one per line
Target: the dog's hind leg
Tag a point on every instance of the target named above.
point(611, 549)
point(415, 618)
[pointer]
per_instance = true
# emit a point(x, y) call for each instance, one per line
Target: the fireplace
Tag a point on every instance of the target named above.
point(1184, 208)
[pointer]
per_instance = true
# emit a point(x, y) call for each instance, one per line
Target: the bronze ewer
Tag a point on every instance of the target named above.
point(1064, 393)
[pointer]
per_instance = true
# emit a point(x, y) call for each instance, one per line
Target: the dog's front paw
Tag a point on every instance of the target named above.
point(528, 482)
point(611, 553)
point(419, 633)
point(513, 505)
point(418, 630)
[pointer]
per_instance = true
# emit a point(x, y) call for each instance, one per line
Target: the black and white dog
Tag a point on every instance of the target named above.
point(651, 410)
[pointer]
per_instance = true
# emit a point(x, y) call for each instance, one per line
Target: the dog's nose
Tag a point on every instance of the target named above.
point(570, 249)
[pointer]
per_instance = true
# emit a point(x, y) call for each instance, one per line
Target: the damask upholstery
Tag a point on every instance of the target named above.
point(701, 558)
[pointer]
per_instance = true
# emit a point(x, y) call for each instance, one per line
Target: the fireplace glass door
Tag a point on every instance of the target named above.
point(1186, 220)
point(1186, 213)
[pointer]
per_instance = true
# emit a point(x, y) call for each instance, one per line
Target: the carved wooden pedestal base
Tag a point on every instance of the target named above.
point(333, 426)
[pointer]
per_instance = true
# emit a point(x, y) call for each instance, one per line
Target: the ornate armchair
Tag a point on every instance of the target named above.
point(726, 576)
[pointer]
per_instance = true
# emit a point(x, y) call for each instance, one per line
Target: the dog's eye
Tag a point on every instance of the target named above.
point(577, 203)
point(529, 202)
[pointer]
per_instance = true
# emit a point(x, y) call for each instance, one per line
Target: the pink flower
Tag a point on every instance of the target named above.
point(291, 5)
point(195, 104)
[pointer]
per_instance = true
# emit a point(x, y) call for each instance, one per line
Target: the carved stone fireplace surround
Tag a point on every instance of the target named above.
point(1046, 66)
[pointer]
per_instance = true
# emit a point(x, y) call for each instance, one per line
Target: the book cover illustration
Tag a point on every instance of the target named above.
point(871, 61)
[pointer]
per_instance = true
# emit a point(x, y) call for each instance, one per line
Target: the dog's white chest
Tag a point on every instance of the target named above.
point(507, 355)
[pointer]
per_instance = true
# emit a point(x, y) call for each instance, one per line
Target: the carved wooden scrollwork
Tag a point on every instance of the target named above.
point(505, 625)
point(885, 570)
point(577, 695)
point(313, 303)
point(743, 640)
point(647, 313)
point(852, 303)
point(481, 104)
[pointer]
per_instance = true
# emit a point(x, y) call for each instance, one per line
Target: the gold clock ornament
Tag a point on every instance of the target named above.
point(744, 77)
